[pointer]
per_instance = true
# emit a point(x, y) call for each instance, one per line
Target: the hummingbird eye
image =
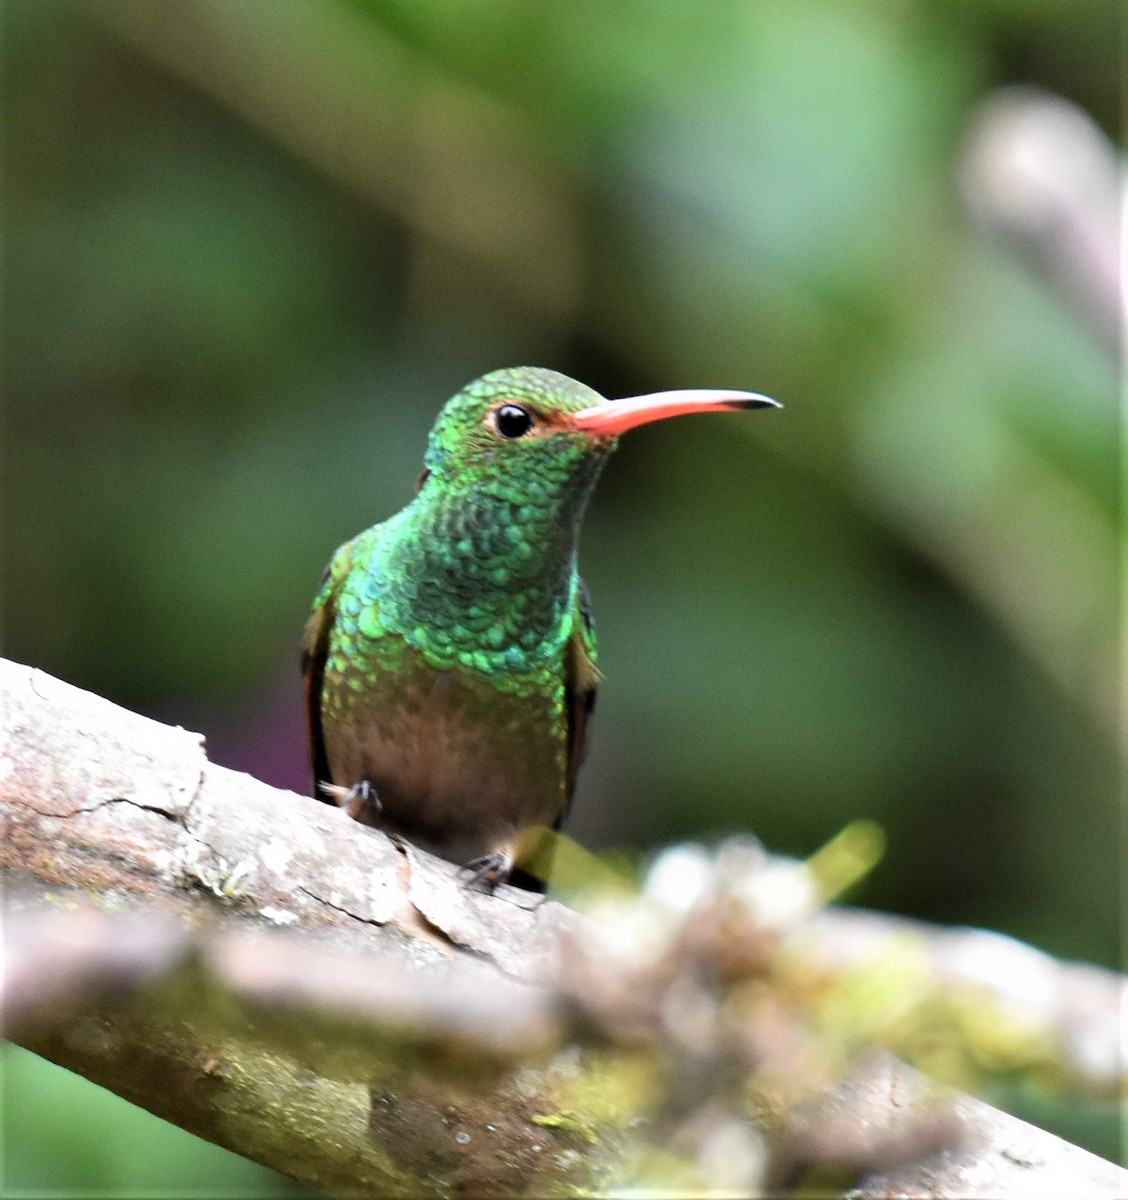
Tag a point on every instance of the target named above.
point(512, 421)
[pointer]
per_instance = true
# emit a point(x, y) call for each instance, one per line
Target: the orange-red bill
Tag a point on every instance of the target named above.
point(614, 417)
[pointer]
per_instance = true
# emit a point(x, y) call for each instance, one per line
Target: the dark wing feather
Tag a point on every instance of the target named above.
point(581, 680)
point(581, 677)
point(315, 645)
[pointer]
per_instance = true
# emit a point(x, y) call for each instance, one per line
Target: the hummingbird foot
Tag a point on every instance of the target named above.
point(360, 801)
point(488, 871)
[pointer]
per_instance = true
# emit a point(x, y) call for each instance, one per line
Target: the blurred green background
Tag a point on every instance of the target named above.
point(252, 246)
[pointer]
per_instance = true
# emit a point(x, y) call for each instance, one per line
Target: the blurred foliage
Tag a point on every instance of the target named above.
point(249, 255)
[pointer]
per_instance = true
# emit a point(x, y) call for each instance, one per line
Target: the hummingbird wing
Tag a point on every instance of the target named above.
point(315, 642)
point(581, 680)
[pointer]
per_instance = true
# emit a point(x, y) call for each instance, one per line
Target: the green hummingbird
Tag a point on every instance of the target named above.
point(450, 658)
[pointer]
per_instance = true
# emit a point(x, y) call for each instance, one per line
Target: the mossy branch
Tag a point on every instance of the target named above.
point(251, 966)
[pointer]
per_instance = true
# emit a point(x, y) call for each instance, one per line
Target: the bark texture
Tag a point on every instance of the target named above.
point(253, 967)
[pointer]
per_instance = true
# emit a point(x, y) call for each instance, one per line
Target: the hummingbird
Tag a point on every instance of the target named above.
point(450, 660)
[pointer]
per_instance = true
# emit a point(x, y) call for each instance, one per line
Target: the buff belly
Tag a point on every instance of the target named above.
point(460, 765)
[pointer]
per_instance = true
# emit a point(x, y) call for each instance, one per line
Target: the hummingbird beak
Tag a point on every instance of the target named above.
point(614, 417)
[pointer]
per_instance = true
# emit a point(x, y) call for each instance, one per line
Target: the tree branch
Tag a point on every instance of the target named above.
point(1038, 171)
point(253, 967)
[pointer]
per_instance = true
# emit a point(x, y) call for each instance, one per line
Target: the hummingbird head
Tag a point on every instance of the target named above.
point(534, 435)
point(510, 433)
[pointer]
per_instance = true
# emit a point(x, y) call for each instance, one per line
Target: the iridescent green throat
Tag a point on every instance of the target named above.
point(480, 569)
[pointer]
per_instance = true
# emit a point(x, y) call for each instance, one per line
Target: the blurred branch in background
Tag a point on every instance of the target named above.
point(444, 158)
point(1039, 171)
point(987, 497)
point(406, 1034)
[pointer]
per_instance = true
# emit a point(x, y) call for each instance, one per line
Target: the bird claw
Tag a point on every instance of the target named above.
point(487, 870)
point(360, 801)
